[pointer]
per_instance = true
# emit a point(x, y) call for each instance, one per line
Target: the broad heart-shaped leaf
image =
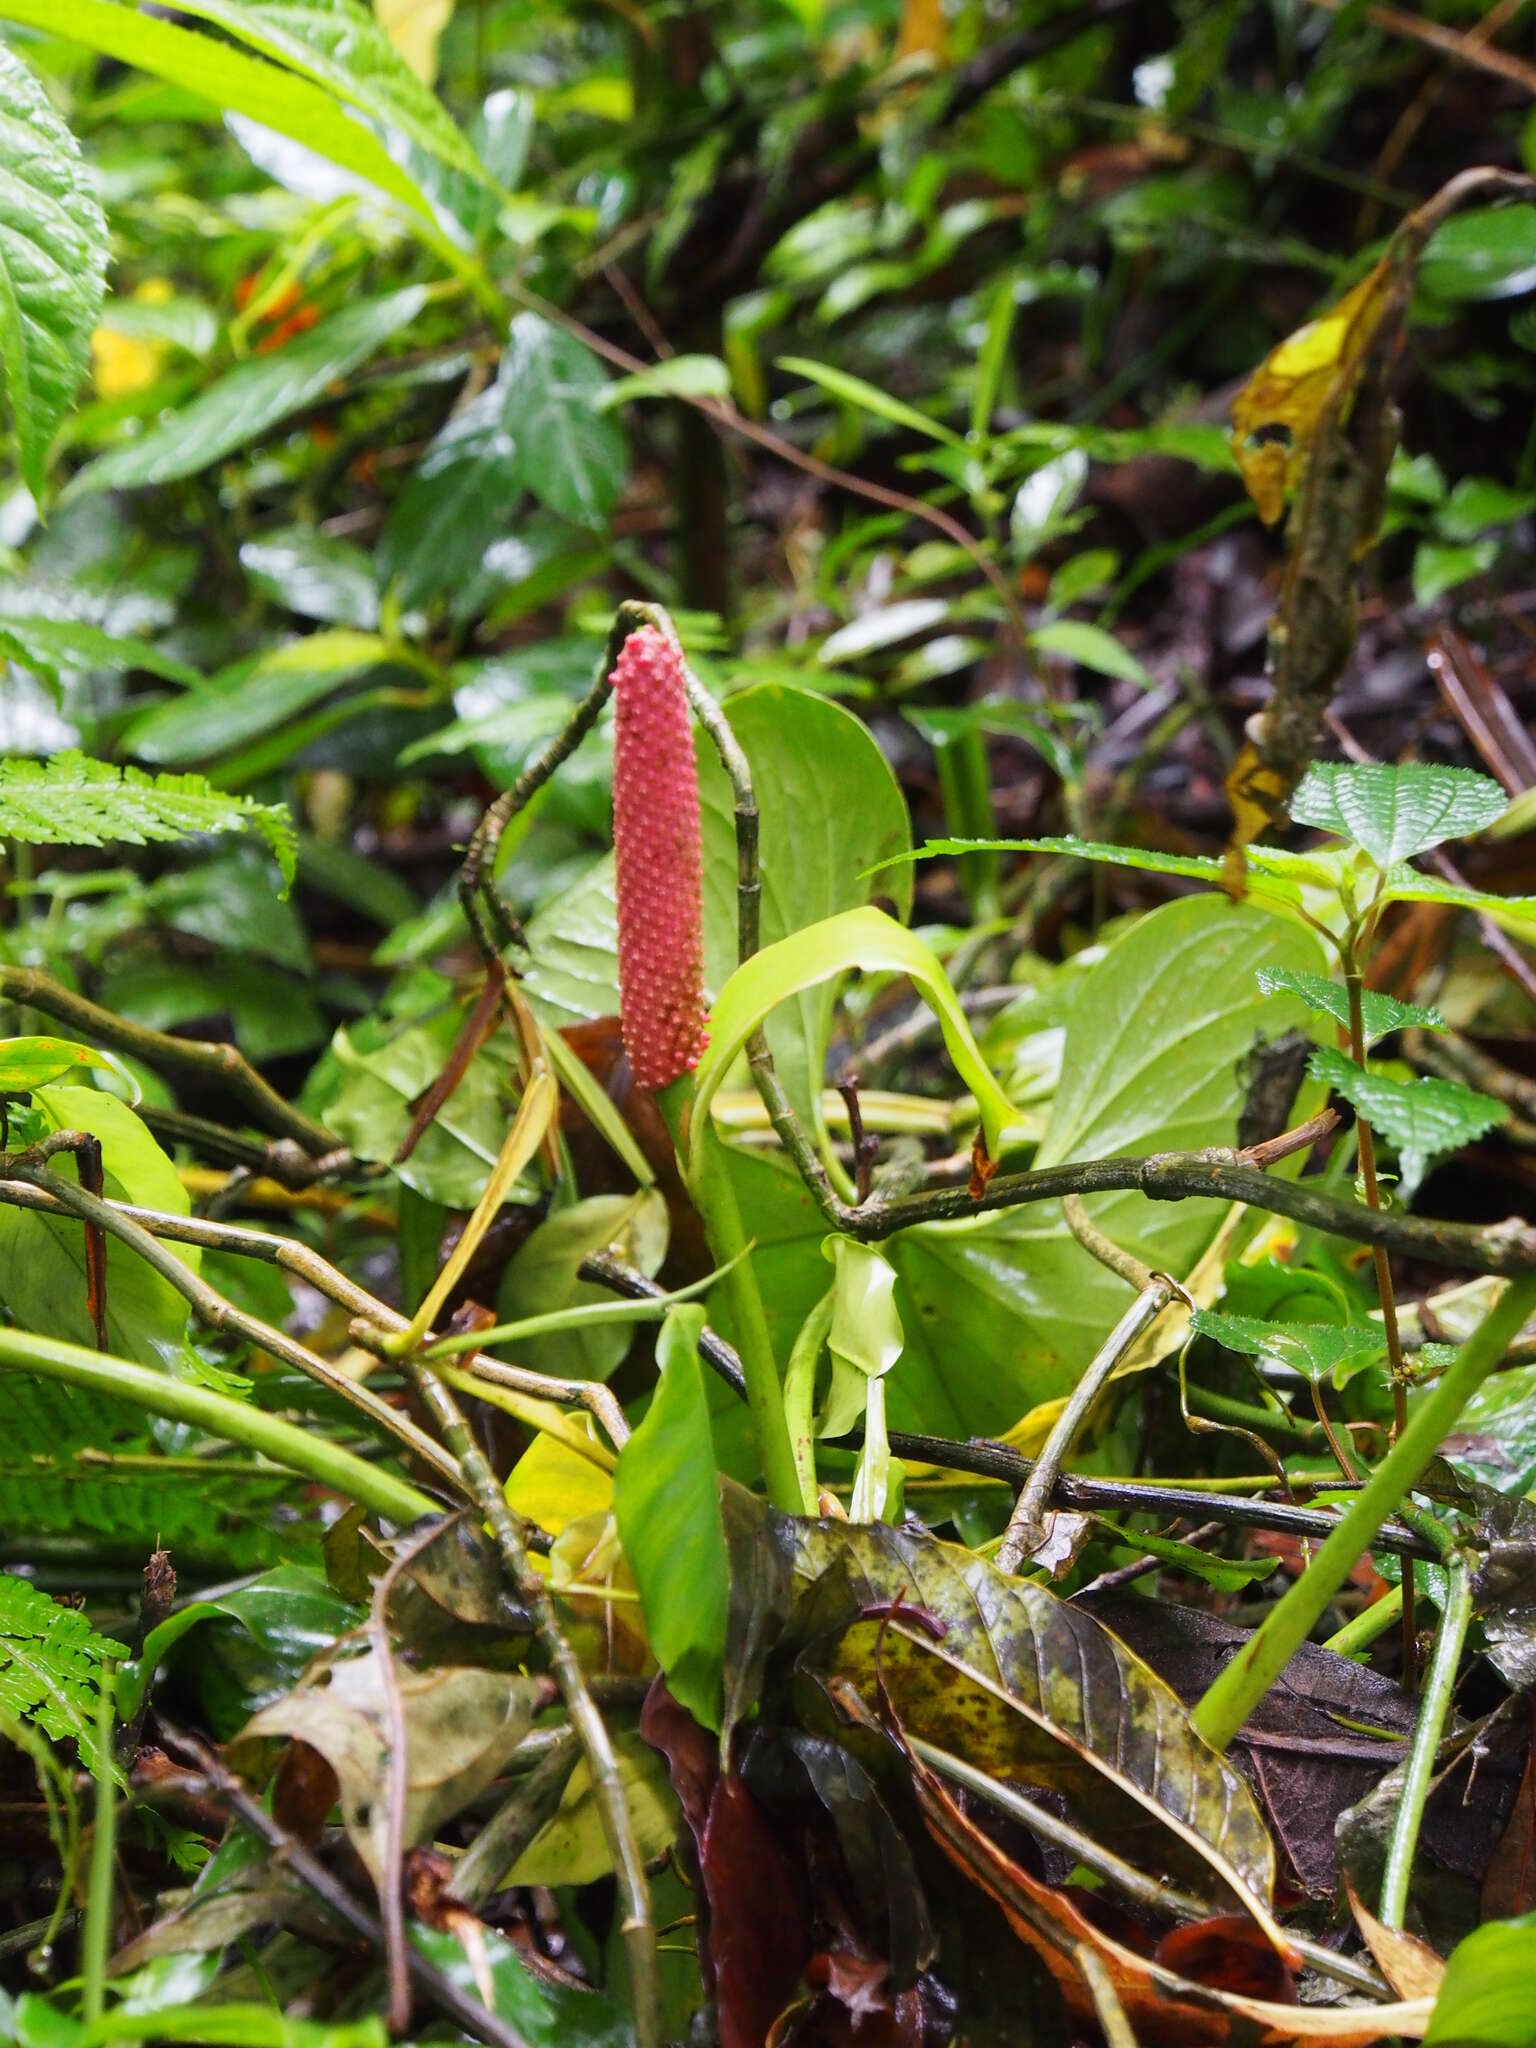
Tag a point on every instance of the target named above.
point(1313, 1349)
point(1485, 1997)
point(53, 264)
point(1004, 1312)
point(666, 1501)
point(1392, 813)
point(73, 801)
point(42, 1258)
point(1422, 1119)
point(257, 395)
point(864, 938)
point(1380, 1013)
point(236, 83)
point(380, 1072)
point(1026, 1686)
point(829, 808)
point(574, 456)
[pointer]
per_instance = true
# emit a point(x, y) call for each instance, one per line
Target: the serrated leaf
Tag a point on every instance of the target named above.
point(1393, 813)
point(1516, 914)
point(253, 398)
point(219, 73)
point(51, 1663)
point(573, 455)
point(53, 264)
point(1313, 1349)
point(1422, 1119)
point(74, 801)
point(1380, 1013)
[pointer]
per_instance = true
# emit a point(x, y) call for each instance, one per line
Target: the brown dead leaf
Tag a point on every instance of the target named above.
point(1410, 1966)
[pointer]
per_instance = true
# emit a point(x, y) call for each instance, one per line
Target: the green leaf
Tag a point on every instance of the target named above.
point(1313, 1349)
point(1422, 1119)
point(1004, 1312)
point(53, 264)
point(217, 2026)
point(459, 499)
point(1091, 647)
point(1485, 252)
point(50, 1665)
point(46, 645)
point(257, 395)
point(27, 1063)
point(1381, 1014)
point(666, 1500)
point(866, 939)
point(315, 575)
point(1485, 1997)
point(885, 626)
point(573, 456)
point(676, 377)
point(1479, 502)
point(572, 1848)
point(253, 697)
point(1515, 913)
point(869, 398)
point(42, 1258)
point(1043, 506)
point(1440, 565)
point(380, 1074)
point(72, 801)
point(342, 48)
point(1393, 813)
point(542, 1278)
point(228, 79)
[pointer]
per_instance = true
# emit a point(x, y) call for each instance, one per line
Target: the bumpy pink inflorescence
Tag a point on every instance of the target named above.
point(660, 864)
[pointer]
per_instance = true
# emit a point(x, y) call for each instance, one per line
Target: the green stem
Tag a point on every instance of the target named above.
point(1227, 1704)
point(1418, 1776)
point(96, 1935)
point(1368, 1627)
point(715, 1198)
point(300, 1450)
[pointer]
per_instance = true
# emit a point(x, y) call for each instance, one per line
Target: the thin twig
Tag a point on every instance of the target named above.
point(532, 1590)
point(220, 1783)
point(32, 989)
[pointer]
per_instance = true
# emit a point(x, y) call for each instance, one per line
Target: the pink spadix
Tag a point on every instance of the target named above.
point(659, 859)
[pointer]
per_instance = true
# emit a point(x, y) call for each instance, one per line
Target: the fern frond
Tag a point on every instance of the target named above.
point(50, 1664)
point(75, 801)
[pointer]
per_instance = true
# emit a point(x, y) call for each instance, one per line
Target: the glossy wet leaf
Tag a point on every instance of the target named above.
point(46, 645)
point(1092, 648)
point(1392, 812)
point(574, 456)
point(27, 1063)
point(1380, 1013)
point(666, 1501)
point(1423, 1119)
point(1318, 1351)
point(1022, 1683)
point(1003, 1313)
point(1486, 1996)
point(256, 396)
point(53, 264)
point(314, 574)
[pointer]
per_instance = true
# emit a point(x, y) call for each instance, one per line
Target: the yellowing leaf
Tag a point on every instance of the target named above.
point(415, 28)
point(924, 30)
point(551, 1485)
point(1311, 370)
